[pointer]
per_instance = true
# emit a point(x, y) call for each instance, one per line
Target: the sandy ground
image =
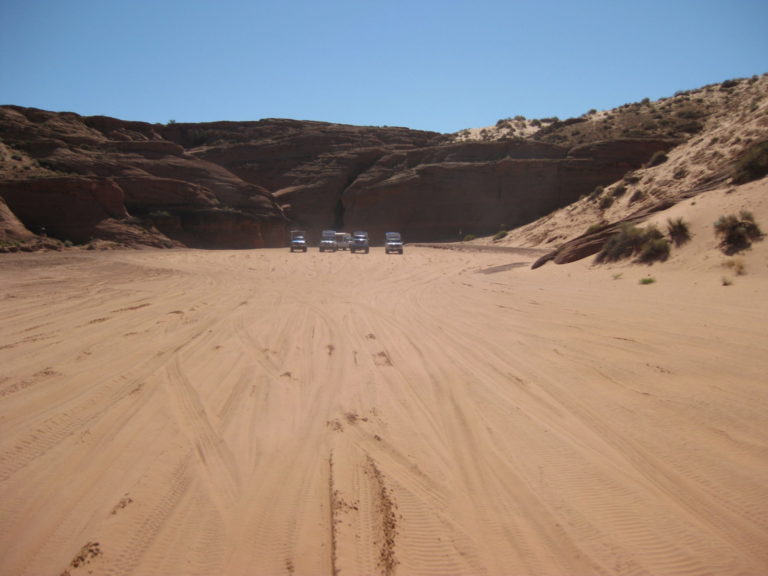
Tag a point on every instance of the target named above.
point(440, 412)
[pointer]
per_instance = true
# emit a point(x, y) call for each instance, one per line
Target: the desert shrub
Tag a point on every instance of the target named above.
point(631, 178)
point(680, 173)
point(468, 237)
point(691, 127)
point(623, 244)
point(594, 228)
point(689, 114)
point(658, 158)
point(737, 233)
point(500, 234)
point(753, 164)
point(596, 192)
point(654, 250)
point(648, 245)
point(647, 280)
point(619, 190)
point(606, 201)
point(636, 196)
point(678, 231)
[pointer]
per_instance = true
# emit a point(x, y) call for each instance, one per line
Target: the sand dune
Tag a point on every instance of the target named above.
point(443, 412)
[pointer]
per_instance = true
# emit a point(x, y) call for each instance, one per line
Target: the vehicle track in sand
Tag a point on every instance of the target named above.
point(438, 412)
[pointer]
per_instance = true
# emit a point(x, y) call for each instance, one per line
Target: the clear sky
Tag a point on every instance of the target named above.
point(439, 65)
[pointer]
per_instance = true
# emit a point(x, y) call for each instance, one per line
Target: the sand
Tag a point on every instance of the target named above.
point(440, 412)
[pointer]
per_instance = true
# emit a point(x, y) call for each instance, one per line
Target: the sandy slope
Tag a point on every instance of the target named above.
point(443, 412)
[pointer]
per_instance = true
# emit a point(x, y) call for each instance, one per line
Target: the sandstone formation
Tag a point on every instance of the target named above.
point(244, 184)
point(80, 179)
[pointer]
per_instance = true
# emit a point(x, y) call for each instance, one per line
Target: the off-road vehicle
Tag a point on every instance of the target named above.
point(393, 242)
point(359, 242)
point(298, 240)
point(328, 241)
point(343, 240)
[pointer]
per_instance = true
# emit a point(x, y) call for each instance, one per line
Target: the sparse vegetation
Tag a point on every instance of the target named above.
point(648, 245)
point(753, 164)
point(468, 237)
point(680, 173)
point(499, 235)
point(678, 231)
point(606, 201)
point(653, 250)
point(737, 233)
point(647, 280)
point(596, 192)
point(619, 190)
point(637, 196)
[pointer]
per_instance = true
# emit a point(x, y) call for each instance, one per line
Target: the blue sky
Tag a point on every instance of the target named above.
point(432, 65)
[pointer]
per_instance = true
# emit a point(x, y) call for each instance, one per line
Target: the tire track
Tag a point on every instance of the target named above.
point(217, 462)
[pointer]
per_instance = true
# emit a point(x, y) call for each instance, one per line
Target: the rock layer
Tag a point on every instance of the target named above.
point(243, 184)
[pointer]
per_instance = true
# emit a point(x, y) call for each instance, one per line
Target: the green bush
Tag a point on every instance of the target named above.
point(753, 164)
point(678, 231)
point(500, 234)
point(654, 250)
point(468, 237)
point(737, 233)
point(647, 244)
point(647, 280)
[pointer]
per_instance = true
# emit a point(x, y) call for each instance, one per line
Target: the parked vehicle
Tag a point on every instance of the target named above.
point(393, 242)
point(328, 241)
point(298, 240)
point(359, 242)
point(343, 240)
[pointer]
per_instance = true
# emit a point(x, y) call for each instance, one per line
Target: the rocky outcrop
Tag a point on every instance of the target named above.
point(82, 179)
point(593, 242)
point(11, 228)
point(482, 187)
point(68, 208)
point(243, 184)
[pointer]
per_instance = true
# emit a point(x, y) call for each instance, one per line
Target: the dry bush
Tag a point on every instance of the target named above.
point(647, 244)
point(737, 233)
point(678, 231)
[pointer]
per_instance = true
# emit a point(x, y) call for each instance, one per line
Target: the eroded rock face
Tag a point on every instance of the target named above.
point(244, 184)
point(68, 208)
point(65, 175)
point(11, 228)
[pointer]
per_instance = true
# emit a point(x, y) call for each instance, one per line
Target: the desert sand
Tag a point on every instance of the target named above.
point(440, 412)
